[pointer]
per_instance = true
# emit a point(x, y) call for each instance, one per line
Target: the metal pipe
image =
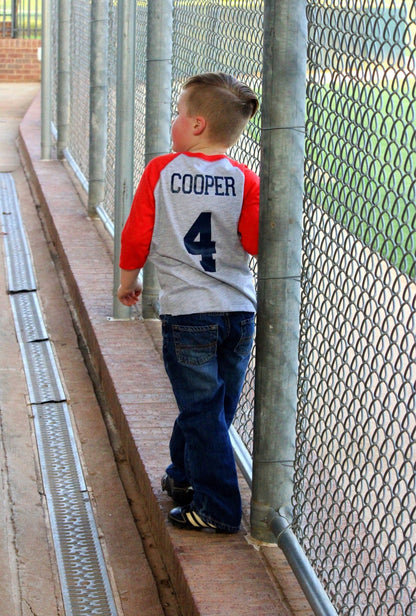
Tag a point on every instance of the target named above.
point(98, 104)
point(279, 263)
point(158, 115)
point(46, 88)
point(63, 104)
point(279, 523)
point(242, 456)
point(123, 192)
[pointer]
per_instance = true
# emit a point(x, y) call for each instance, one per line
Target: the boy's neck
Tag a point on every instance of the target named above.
point(209, 149)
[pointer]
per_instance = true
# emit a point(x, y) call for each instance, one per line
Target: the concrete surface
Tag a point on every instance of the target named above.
point(14, 101)
point(157, 568)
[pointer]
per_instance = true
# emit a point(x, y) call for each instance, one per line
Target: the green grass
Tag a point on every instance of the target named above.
point(361, 153)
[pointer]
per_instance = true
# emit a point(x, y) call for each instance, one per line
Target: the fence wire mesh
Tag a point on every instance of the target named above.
point(355, 480)
point(209, 35)
point(108, 205)
point(139, 101)
point(79, 123)
point(140, 91)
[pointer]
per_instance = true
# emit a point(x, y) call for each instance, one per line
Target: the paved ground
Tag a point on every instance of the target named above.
point(28, 577)
point(156, 569)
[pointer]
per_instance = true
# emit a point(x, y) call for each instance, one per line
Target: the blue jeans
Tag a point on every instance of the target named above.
point(206, 357)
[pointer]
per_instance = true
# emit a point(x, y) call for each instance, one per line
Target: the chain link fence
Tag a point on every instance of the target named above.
point(108, 205)
point(79, 109)
point(139, 103)
point(355, 481)
point(140, 92)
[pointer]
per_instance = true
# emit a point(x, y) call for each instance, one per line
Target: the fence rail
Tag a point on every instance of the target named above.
point(354, 500)
point(21, 19)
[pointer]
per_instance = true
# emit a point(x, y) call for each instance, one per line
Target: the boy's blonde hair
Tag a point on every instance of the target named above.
point(226, 103)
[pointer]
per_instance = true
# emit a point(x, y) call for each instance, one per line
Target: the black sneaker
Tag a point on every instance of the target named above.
point(184, 517)
point(182, 493)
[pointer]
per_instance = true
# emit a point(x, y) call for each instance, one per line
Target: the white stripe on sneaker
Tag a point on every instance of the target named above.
point(196, 521)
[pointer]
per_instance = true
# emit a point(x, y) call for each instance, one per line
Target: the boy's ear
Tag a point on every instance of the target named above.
point(199, 125)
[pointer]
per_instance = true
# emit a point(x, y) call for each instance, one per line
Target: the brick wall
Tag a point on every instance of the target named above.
point(19, 59)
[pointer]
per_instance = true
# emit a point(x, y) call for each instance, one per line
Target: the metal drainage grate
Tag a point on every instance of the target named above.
point(85, 584)
point(20, 274)
point(84, 579)
point(28, 319)
point(41, 371)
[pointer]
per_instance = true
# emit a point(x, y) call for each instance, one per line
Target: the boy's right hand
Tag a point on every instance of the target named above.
point(129, 296)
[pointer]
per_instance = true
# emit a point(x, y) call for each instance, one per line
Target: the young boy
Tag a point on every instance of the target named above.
point(195, 216)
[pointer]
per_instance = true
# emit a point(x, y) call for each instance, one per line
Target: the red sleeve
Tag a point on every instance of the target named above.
point(137, 233)
point(248, 226)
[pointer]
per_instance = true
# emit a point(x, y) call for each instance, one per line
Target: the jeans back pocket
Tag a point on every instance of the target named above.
point(195, 344)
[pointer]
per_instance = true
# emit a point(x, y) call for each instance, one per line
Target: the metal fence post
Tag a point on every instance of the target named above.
point(124, 134)
point(283, 117)
point(46, 85)
point(14, 26)
point(279, 269)
point(98, 104)
point(64, 64)
point(158, 114)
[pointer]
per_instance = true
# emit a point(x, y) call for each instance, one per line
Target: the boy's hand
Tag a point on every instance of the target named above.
point(129, 296)
point(130, 287)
